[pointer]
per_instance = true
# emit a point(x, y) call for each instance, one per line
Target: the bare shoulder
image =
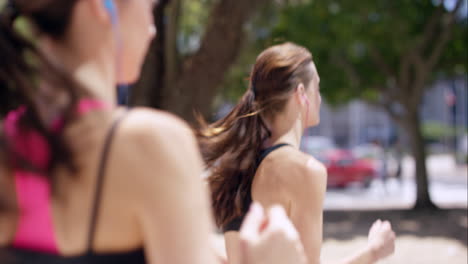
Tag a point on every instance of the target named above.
point(144, 123)
point(149, 139)
point(303, 170)
point(310, 165)
point(289, 177)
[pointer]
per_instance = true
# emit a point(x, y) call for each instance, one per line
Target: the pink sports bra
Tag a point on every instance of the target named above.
point(35, 227)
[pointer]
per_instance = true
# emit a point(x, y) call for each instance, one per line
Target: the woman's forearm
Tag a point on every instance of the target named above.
point(364, 256)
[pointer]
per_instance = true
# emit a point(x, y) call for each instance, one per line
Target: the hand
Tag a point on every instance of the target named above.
point(270, 238)
point(381, 239)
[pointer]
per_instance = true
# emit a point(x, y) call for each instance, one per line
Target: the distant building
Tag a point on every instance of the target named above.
point(358, 122)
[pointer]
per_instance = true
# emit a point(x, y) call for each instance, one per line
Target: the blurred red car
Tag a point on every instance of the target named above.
point(344, 168)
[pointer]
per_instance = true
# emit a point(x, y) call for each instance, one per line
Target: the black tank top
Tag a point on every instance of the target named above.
point(137, 256)
point(235, 224)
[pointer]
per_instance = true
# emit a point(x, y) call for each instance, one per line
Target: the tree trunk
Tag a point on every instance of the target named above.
point(147, 91)
point(196, 86)
point(418, 148)
point(192, 85)
point(172, 57)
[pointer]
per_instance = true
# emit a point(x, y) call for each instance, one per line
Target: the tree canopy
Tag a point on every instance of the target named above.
point(360, 47)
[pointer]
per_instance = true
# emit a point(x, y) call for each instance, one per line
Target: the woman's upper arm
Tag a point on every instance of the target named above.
point(173, 208)
point(307, 195)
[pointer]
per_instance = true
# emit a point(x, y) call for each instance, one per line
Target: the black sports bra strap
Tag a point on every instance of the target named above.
point(235, 224)
point(100, 179)
point(267, 151)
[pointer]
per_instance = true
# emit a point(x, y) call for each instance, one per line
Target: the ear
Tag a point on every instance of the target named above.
point(103, 9)
point(301, 93)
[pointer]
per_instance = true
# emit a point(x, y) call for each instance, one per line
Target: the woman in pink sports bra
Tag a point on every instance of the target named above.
point(83, 181)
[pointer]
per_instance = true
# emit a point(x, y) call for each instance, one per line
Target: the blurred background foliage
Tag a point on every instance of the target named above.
point(386, 53)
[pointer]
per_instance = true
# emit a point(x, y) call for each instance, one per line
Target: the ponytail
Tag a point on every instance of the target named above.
point(22, 65)
point(12, 64)
point(229, 148)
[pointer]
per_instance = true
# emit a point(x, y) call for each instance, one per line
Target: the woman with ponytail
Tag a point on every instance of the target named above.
point(83, 181)
point(253, 155)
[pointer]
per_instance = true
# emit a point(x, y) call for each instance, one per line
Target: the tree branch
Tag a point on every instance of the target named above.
point(204, 71)
point(404, 71)
point(446, 23)
point(384, 93)
point(442, 40)
point(393, 115)
point(430, 28)
point(348, 68)
point(413, 57)
point(394, 86)
point(391, 111)
point(379, 60)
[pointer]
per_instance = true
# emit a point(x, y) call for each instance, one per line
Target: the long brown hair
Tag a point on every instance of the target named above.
point(230, 146)
point(22, 65)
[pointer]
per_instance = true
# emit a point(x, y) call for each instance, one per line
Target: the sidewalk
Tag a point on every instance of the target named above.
point(439, 167)
point(423, 237)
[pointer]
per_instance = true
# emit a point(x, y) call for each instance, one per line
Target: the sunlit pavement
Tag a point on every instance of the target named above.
point(409, 249)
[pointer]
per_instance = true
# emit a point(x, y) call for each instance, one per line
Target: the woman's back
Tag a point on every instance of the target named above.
point(283, 174)
point(74, 195)
point(131, 200)
point(281, 178)
point(74, 56)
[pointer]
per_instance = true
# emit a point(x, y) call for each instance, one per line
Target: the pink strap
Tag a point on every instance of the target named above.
point(35, 227)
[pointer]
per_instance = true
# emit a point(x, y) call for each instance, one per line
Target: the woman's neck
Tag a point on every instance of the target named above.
point(95, 72)
point(95, 79)
point(283, 131)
